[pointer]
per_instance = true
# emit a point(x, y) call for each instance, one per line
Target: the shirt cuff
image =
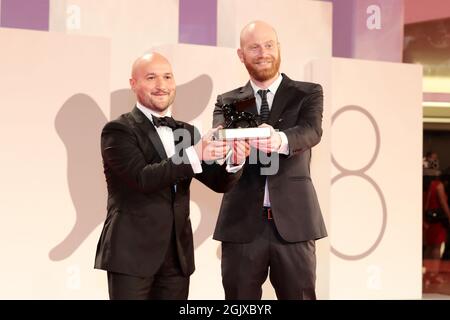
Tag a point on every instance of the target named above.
point(284, 147)
point(232, 168)
point(222, 161)
point(194, 160)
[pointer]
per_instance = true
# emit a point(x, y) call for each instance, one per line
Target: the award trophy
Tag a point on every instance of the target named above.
point(240, 123)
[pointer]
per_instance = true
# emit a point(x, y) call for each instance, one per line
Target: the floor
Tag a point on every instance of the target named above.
point(436, 286)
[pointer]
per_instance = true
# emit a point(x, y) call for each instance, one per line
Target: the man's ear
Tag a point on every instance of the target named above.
point(240, 55)
point(132, 83)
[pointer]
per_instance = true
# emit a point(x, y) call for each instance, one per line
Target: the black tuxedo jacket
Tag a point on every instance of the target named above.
point(296, 111)
point(143, 205)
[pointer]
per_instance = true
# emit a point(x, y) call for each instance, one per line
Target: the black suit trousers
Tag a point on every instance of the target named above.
point(292, 267)
point(168, 283)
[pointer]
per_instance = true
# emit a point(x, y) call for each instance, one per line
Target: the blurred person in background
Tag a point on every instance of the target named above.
point(434, 231)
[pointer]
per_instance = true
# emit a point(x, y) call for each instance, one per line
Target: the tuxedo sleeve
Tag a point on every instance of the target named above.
point(217, 178)
point(121, 153)
point(308, 130)
point(218, 117)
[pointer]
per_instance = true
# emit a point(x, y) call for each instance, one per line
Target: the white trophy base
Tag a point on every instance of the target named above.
point(242, 133)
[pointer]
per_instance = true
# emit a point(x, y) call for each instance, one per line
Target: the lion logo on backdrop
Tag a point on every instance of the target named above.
point(79, 123)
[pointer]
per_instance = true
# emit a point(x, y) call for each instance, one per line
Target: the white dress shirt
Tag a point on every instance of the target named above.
point(167, 138)
point(284, 147)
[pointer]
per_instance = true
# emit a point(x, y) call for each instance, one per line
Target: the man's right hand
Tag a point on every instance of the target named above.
point(241, 150)
point(209, 149)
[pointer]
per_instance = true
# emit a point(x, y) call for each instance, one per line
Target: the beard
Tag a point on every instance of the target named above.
point(155, 104)
point(263, 74)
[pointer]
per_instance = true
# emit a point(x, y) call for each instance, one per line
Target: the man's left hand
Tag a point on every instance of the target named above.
point(241, 150)
point(270, 144)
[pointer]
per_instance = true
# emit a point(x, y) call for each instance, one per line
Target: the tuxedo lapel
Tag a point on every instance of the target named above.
point(157, 143)
point(149, 129)
point(280, 101)
point(191, 135)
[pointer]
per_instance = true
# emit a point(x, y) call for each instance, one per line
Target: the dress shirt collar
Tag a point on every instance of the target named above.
point(272, 88)
point(148, 112)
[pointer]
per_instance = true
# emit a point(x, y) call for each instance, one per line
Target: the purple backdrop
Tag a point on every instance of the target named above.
point(198, 25)
point(25, 14)
point(198, 22)
point(352, 38)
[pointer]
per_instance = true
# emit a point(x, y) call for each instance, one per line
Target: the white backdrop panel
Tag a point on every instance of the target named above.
point(133, 27)
point(52, 189)
point(375, 217)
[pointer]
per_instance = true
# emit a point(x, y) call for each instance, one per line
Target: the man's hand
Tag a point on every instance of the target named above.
point(208, 149)
point(267, 145)
point(241, 150)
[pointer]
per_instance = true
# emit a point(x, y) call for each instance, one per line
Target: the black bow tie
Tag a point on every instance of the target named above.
point(165, 121)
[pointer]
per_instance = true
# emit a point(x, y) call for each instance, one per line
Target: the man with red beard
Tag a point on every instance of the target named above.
point(269, 223)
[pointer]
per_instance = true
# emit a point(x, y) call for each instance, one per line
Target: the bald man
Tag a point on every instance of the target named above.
point(269, 223)
point(146, 244)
